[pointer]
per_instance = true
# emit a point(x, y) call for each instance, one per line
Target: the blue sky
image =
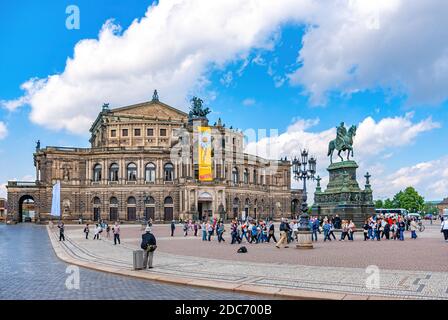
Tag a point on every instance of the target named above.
point(257, 65)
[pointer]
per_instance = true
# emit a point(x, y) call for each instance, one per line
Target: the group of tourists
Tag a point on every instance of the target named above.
point(103, 225)
point(251, 230)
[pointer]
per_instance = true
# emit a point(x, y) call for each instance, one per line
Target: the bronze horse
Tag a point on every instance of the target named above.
point(346, 146)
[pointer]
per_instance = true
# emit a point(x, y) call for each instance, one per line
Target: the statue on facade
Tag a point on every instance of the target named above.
point(197, 110)
point(65, 173)
point(343, 142)
point(38, 145)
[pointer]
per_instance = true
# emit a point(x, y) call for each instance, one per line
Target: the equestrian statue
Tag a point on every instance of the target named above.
point(343, 142)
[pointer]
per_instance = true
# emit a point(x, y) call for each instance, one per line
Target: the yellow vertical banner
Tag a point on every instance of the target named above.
point(205, 153)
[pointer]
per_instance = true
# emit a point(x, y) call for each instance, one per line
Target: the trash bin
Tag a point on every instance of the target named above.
point(138, 259)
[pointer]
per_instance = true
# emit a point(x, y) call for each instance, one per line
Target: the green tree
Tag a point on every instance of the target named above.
point(409, 199)
point(379, 204)
point(388, 204)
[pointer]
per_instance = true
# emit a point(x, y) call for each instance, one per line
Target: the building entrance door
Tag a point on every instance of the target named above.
point(168, 213)
point(205, 210)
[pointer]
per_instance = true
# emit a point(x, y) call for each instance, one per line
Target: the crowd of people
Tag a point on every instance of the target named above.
point(376, 227)
point(100, 227)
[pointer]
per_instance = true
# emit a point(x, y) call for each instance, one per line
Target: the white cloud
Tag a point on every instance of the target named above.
point(349, 45)
point(3, 130)
point(373, 142)
point(249, 102)
point(429, 178)
point(172, 48)
point(360, 44)
point(227, 79)
point(372, 138)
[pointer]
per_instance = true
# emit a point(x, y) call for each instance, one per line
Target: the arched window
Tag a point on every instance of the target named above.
point(169, 172)
point(150, 172)
point(113, 172)
point(246, 176)
point(132, 172)
point(235, 177)
point(131, 200)
point(97, 169)
point(149, 201)
point(168, 200)
point(113, 201)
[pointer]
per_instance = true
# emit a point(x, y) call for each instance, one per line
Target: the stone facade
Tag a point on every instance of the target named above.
point(142, 163)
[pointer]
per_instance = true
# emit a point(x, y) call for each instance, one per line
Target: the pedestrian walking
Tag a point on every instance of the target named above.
point(87, 230)
point(96, 232)
point(271, 232)
point(173, 227)
point(195, 227)
point(61, 231)
point(366, 228)
point(149, 245)
point(221, 230)
point(351, 230)
point(315, 229)
point(116, 231)
point(185, 229)
point(234, 232)
point(413, 226)
point(284, 229)
point(107, 231)
point(401, 227)
point(210, 230)
point(204, 231)
point(444, 229)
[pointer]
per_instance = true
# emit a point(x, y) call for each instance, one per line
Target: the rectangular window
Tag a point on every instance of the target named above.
point(113, 133)
point(163, 132)
point(150, 132)
point(137, 132)
point(125, 132)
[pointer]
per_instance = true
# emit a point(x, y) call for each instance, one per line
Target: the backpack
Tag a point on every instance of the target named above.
point(242, 249)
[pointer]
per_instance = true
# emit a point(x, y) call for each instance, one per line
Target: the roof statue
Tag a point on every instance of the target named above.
point(343, 142)
point(197, 110)
point(155, 96)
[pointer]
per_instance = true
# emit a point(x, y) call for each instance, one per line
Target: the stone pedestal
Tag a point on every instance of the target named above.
point(304, 240)
point(343, 196)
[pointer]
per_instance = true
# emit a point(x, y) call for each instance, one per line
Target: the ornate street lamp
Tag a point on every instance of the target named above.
point(304, 169)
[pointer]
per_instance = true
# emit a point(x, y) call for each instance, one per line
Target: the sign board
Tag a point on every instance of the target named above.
point(205, 154)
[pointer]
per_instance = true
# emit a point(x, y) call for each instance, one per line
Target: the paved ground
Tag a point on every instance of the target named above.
point(428, 253)
point(29, 269)
point(410, 269)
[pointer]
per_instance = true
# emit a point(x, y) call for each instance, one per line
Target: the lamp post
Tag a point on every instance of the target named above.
point(304, 169)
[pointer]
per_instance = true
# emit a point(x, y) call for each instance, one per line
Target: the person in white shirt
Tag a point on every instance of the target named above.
point(444, 229)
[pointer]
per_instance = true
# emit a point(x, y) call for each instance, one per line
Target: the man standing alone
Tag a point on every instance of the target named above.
point(116, 231)
point(149, 246)
point(61, 231)
point(173, 227)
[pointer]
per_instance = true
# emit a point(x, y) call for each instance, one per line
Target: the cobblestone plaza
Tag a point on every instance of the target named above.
point(333, 270)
